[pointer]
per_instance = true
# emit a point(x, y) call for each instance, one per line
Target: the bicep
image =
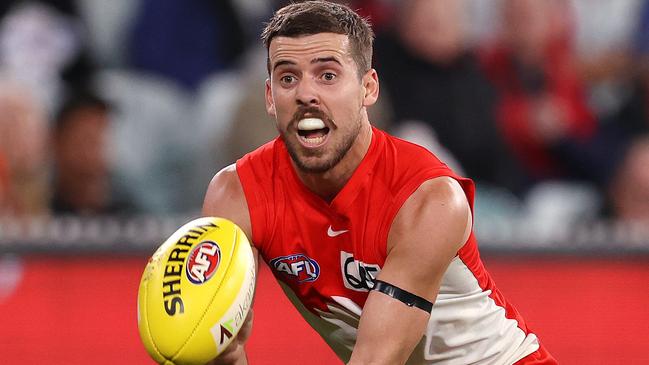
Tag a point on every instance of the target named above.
point(425, 236)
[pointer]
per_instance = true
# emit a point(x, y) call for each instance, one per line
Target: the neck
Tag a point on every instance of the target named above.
point(327, 184)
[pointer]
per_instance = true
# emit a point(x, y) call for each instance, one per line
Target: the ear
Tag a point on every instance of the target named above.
point(270, 104)
point(370, 87)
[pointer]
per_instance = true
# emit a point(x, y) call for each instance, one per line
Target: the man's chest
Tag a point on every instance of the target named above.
point(320, 255)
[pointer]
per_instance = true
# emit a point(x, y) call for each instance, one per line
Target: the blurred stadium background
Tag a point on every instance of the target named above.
point(114, 115)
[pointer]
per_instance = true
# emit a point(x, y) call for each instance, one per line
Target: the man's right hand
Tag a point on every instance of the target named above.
point(235, 353)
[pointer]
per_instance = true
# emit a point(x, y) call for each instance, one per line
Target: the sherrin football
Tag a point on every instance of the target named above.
point(195, 292)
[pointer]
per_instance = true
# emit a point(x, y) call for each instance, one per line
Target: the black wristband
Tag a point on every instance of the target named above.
point(409, 299)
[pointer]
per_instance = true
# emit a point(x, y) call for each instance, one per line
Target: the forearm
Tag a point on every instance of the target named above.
point(388, 332)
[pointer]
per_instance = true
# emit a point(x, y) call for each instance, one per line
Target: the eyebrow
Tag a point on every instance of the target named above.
point(313, 61)
point(282, 63)
point(325, 59)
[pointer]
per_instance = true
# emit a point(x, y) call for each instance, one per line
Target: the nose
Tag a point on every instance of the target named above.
point(306, 94)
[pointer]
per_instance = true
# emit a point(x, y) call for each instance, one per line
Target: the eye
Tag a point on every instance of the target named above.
point(328, 76)
point(287, 79)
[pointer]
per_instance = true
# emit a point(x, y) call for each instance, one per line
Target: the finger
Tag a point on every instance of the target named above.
point(233, 354)
point(246, 328)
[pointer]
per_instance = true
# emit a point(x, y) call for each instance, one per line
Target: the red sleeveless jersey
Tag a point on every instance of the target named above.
point(328, 254)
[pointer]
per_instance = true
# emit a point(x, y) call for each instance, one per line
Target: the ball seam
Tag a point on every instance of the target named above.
point(146, 323)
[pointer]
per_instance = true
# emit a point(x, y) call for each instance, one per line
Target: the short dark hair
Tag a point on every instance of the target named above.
point(75, 101)
point(313, 17)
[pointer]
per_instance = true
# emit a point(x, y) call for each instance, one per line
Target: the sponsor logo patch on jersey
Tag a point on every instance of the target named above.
point(202, 262)
point(357, 275)
point(298, 267)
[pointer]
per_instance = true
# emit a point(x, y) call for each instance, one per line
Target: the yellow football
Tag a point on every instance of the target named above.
point(195, 292)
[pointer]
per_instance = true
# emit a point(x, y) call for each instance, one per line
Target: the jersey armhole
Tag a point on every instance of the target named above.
point(256, 201)
point(408, 189)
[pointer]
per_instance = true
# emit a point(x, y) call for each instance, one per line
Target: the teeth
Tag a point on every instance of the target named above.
point(309, 124)
point(313, 141)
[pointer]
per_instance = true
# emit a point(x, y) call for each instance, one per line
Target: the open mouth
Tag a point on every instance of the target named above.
point(312, 132)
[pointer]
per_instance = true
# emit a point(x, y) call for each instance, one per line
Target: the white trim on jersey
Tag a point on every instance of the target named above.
point(466, 325)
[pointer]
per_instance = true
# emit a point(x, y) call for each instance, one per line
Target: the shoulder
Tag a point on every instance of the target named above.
point(442, 191)
point(225, 198)
point(436, 216)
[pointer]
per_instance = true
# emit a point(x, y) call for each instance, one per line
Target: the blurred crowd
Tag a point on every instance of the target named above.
point(130, 106)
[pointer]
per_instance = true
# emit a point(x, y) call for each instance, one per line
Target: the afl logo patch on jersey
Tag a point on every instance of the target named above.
point(297, 267)
point(202, 262)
